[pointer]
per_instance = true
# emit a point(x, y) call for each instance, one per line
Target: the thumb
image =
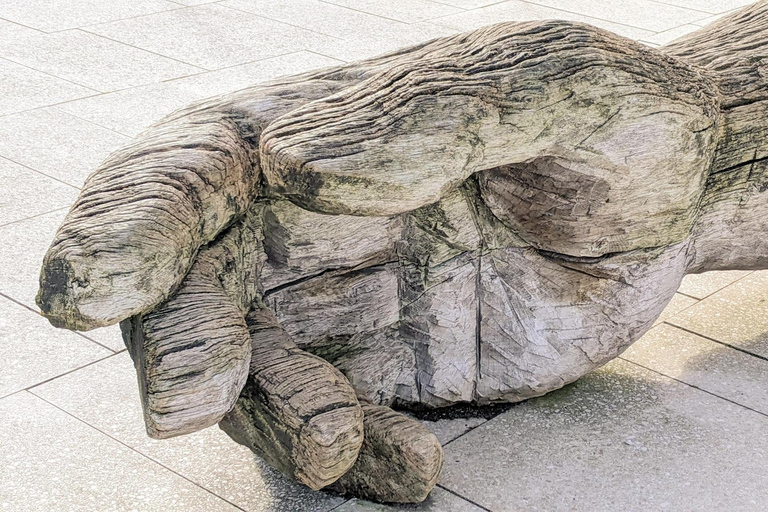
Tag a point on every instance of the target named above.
point(134, 231)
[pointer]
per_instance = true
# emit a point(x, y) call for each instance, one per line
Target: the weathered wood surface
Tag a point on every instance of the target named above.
point(133, 233)
point(733, 214)
point(296, 410)
point(400, 459)
point(480, 218)
point(404, 137)
point(192, 352)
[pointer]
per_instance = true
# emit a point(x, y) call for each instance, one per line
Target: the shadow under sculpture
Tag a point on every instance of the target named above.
point(480, 218)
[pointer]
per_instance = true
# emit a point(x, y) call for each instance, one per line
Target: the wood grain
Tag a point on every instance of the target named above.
point(479, 218)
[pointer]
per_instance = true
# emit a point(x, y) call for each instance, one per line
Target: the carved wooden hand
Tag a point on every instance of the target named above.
point(481, 218)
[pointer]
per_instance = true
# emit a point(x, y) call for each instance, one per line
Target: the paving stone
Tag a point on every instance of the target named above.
point(87, 59)
point(22, 88)
point(677, 304)
point(705, 364)
point(33, 351)
point(514, 10)
point(704, 285)
point(469, 4)
point(711, 6)
point(110, 337)
point(643, 14)
point(105, 395)
point(352, 35)
point(447, 430)
point(52, 461)
point(737, 315)
point(667, 36)
point(372, 45)
point(20, 261)
point(621, 438)
point(318, 16)
point(710, 19)
point(27, 193)
point(194, 2)
point(408, 11)
point(211, 36)
point(132, 111)
point(57, 144)
point(49, 16)
point(439, 500)
point(24, 245)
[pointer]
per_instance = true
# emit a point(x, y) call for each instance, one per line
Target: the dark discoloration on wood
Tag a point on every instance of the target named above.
point(481, 218)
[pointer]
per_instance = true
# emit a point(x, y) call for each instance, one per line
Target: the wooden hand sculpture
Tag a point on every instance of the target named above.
point(480, 218)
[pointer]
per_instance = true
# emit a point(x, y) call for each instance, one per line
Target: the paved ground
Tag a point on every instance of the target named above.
point(678, 423)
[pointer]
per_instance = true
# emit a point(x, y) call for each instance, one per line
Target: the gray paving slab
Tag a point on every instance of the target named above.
point(644, 14)
point(408, 11)
point(109, 337)
point(703, 285)
point(356, 34)
point(439, 500)
point(22, 88)
point(322, 17)
point(677, 304)
point(24, 245)
point(57, 144)
point(468, 4)
point(380, 43)
point(105, 395)
point(32, 351)
point(449, 429)
point(27, 193)
point(52, 461)
point(621, 438)
point(516, 10)
point(87, 59)
point(710, 19)
point(51, 16)
point(131, 111)
point(398, 37)
point(711, 6)
point(737, 315)
point(194, 2)
point(703, 363)
point(667, 36)
point(211, 36)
